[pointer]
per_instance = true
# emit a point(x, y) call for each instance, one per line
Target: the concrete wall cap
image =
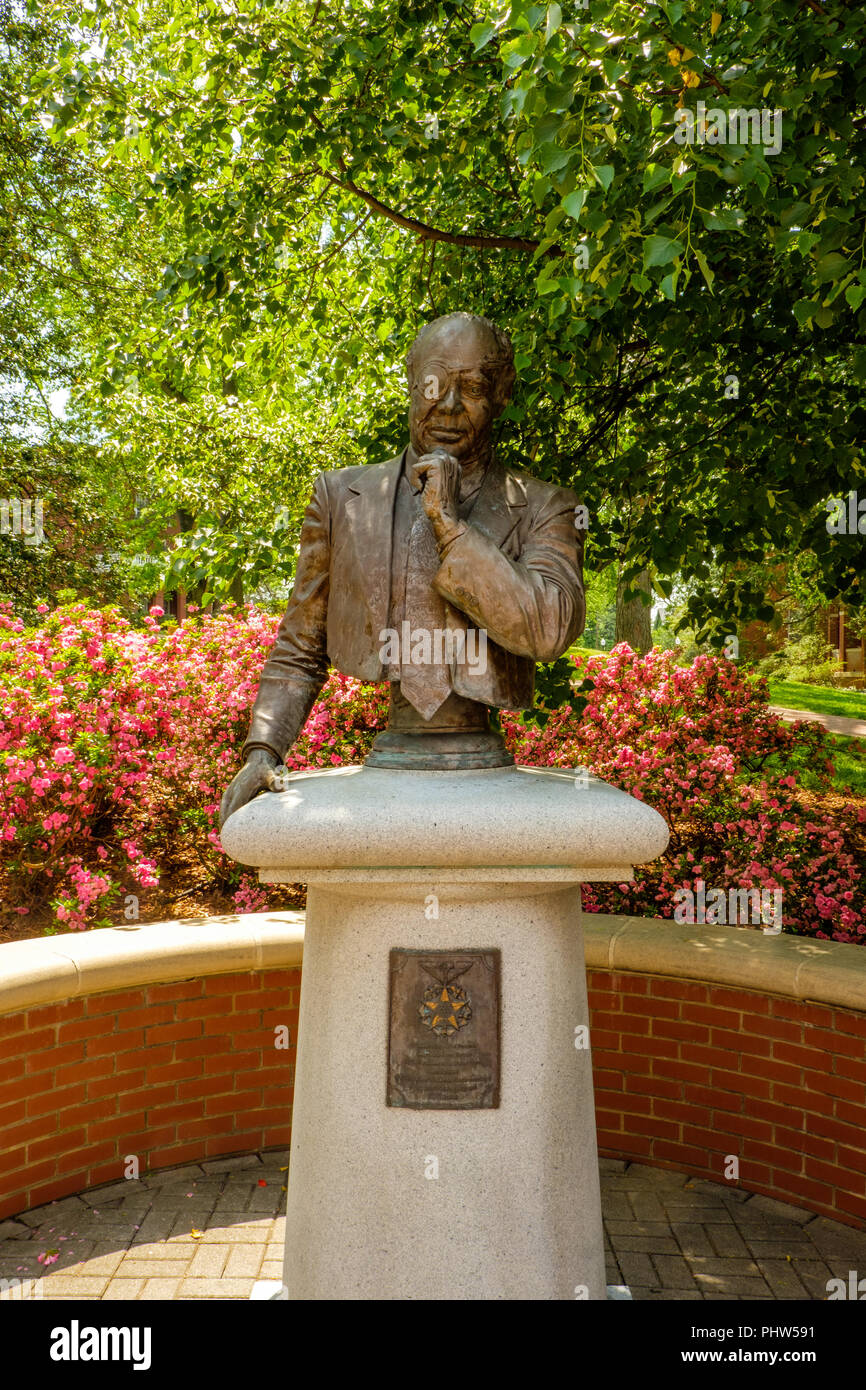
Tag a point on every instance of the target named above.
point(51, 969)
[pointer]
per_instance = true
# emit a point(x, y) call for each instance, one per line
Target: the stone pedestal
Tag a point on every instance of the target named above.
point(390, 1202)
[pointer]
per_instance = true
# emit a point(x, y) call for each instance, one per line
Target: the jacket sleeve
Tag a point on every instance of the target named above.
point(297, 666)
point(533, 606)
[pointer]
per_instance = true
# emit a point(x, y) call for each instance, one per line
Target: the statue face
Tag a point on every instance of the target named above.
point(452, 397)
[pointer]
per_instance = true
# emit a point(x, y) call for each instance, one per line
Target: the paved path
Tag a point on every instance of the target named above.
point(211, 1230)
point(833, 723)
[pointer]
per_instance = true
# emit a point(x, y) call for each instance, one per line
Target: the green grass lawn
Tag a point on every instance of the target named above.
point(820, 698)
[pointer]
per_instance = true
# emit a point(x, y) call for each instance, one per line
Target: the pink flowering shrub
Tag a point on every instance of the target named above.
point(700, 745)
point(117, 742)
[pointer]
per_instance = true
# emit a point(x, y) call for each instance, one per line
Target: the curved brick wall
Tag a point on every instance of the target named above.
point(687, 1074)
point(706, 1043)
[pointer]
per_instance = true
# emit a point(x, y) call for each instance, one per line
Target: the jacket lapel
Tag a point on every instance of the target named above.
point(370, 514)
point(497, 507)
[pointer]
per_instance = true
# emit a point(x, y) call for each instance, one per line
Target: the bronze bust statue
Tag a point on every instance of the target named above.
point(440, 570)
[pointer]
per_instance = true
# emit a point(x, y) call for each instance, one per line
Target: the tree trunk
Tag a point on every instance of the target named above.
point(633, 619)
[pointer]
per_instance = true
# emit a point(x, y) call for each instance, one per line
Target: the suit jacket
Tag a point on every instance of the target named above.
point(516, 572)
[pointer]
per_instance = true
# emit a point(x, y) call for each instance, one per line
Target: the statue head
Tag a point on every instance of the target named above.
point(461, 373)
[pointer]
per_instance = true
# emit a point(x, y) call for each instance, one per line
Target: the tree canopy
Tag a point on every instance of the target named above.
point(301, 185)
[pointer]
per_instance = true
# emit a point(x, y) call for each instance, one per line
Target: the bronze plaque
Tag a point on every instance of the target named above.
point(443, 1041)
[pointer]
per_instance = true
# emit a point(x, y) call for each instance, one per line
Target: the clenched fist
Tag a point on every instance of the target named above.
point(258, 774)
point(438, 473)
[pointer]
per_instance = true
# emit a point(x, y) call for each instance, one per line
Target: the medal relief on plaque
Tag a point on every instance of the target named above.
point(443, 1041)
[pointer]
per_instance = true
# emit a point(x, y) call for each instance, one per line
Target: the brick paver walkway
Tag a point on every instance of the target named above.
point(211, 1230)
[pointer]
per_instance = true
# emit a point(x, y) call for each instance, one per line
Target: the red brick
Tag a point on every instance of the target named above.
point(651, 1125)
point(232, 1104)
point(230, 1023)
point(790, 1116)
point(263, 1039)
point(810, 1144)
point(748, 1085)
point(743, 1000)
point(130, 1061)
point(117, 1043)
point(25, 1088)
point(685, 1030)
point(110, 1085)
point(851, 1114)
point(837, 1130)
point(180, 989)
point(152, 1098)
point(12, 1114)
point(685, 1155)
point(261, 999)
point(88, 1112)
point(850, 1208)
point(202, 1047)
point(653, 1008)
point(40, 1172)
point(234, 1143)
point(56, 1100)
point(808, 1057)
point(80, 1071)
point(81, 1029)
point(203, 1086)
point(230, 1062)
point(57, 1188)
point(252, 1079)
point(776, 1028)
point(838, 1175)
point(71, 1141)
point(41, 1041)
point(681, 1111)
point(716, 1017)
point(36, 1127)
point(854, 1067)
point(604, 1041)
point(288, 1018)
point(141, 1142)
point(749, 1127)
point(117, 1127)
point(800, 1191)
point(716, 1100)
point(742, 1043)
point(603, 999)
point(15, 1159)
point(678, 989)
point(837, 1043)
point(13, 1025)
point(172, 1114)
point(205, 1008)
point(839, 1086)
point(45, 1061)
point(653, 1086)
point(55, 1013)
point(174, 1071)
point(782, 1071)
point(13, 1068)
point(853, 1024)
point(228, 984)
point(282, 1095)
point(104, 1172)
point(630, 984)
point(678, 1070)
point(176, 1153)
point(201, 1128)
point(277, 1137)
point(801, 1012)
point(146, 1017)
point(631, 1104)
point(110, 1003)
point(810, 1102)
point(173, 1032)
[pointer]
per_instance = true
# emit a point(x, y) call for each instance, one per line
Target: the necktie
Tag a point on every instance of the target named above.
point(425, 681)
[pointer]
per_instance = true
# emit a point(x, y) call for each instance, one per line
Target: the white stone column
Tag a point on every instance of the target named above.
point(387, 1202)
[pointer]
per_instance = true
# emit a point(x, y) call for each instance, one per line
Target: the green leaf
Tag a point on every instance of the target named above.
point(659, 250)
point(604, 173)
point(574, 202)
point(654, 175)
point(481, 34)
point(708, 274)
